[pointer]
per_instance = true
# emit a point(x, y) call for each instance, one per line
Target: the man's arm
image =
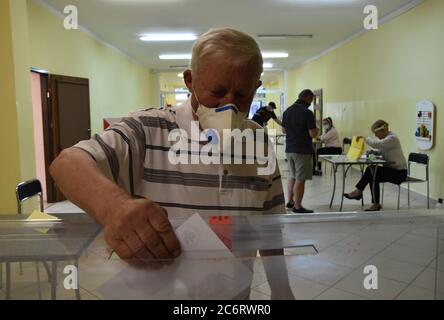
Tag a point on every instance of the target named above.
point(314, 133)
point(276, 119)
point(134, 228)
point(377, 144)
point(279, 122)
point(311, 124)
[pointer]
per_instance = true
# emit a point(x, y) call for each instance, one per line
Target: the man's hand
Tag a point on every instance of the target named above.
point(140, 229)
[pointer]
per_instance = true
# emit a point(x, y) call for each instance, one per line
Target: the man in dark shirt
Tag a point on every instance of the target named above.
point(300, 126)
point(264, 114)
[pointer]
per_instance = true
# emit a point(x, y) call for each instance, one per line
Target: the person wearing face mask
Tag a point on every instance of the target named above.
point(126, 181)
point(264, 114)
point(332, 143)
point(299, 125)
point(388, 145)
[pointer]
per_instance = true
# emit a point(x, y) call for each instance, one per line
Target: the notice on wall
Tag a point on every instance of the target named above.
point(424, 127)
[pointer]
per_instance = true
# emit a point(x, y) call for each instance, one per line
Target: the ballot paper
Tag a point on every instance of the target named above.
point(40, 217)
point(37, 215)
point(198, 240)
point(205, 270)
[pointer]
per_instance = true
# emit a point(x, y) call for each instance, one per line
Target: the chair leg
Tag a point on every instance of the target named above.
point(39, 289)
point(428, 195)
point(408, 194)
point(399, 196)
point(382, 194)
point(48, 272)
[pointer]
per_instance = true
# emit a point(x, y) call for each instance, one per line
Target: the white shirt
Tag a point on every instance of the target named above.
point(134, 154)
point(390, 148)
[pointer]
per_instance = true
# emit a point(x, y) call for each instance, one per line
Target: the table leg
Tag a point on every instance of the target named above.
point(335, 170)
point(316, 159)
point(78, 280)
point(39, 288)
point(8, 281)
point(54, 280)
point(375, 171)
point(362, 174)
point(344, 170)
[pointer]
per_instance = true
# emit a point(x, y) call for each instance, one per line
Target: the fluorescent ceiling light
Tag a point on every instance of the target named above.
point(283, 36)
point(268, 55)
point(39, 70)
point(187, 56)
point(168, 37)
point(268, 65)
point(175, 57)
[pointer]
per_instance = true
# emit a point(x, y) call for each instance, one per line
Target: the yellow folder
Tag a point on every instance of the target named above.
point(357, 149)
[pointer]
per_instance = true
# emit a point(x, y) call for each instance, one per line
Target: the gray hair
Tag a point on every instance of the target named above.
point(238, 46)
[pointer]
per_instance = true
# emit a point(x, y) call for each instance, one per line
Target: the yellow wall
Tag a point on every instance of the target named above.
point(383, 74)
point(277, 83)
point(19, 23)
point(9, 159)
point(32, 36)
point(118, 85)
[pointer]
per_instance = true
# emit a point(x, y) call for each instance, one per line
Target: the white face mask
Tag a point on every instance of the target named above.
point(220, 118)
point(227, 117)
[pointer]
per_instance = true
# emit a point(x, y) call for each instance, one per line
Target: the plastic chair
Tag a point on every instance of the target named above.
point(346, 142)
point(27, 190)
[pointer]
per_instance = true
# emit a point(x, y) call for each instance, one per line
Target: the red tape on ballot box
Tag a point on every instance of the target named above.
point(222, 227)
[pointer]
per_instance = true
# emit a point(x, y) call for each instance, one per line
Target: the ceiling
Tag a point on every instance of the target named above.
point(120, 22)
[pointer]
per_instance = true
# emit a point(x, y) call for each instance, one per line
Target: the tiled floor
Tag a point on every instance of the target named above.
point(403, 252)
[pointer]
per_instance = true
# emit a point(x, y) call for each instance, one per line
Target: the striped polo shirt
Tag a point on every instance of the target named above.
point(134, 154)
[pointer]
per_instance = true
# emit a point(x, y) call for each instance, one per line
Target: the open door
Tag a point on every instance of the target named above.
point(69, 120)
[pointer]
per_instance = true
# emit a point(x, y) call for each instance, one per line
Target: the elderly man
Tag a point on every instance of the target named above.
point(125, 178)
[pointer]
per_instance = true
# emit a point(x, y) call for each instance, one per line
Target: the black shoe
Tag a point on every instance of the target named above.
point(290, 205)
point(318, 173)
point(347, 195)
point(302, 210)
point(379, 208)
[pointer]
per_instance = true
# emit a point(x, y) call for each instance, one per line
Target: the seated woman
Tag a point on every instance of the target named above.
point(389, 146)
point(332, 143)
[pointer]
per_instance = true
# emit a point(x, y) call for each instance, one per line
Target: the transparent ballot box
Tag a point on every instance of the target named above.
point(322, 256)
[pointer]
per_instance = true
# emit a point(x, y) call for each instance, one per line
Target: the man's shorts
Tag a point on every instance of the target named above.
point(300, 166)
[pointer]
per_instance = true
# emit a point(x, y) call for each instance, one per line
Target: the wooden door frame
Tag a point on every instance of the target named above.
point(47, 136)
